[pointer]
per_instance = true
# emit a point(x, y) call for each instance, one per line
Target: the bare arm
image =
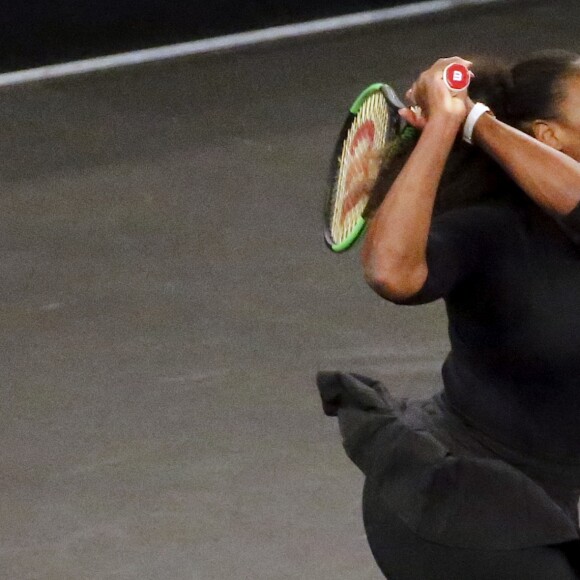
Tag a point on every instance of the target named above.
point(394, 250)
point(549, 177)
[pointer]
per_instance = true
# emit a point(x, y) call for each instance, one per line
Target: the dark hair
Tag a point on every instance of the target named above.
point(537, 86)
point(518, 95)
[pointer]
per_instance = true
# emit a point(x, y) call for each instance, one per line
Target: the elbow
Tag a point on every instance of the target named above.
point(395, 282)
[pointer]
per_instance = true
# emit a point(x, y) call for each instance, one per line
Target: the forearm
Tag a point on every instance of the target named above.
point(394, 251)
point(546, 175)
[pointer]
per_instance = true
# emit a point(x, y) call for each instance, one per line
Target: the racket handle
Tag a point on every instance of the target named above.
point(457, 77)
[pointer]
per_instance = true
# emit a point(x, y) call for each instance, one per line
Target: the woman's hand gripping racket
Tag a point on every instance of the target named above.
point(372, 148)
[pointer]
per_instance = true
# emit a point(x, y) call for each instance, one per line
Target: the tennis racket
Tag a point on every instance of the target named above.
point(371, 149)
point(372, 137)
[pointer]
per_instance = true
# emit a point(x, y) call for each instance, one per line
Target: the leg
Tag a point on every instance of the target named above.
point(401, 555)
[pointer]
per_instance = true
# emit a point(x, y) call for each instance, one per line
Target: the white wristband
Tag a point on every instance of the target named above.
point(474, 115)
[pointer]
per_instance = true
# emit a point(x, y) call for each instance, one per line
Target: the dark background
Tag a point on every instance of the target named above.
point(39, 32)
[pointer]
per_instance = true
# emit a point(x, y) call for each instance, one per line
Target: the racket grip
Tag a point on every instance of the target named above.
point(457, 77)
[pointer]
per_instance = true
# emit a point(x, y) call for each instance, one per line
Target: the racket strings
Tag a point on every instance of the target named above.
point(394, 156)
point(359, 165)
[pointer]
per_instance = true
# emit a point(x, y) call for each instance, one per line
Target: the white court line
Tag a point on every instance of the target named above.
point(231, 41)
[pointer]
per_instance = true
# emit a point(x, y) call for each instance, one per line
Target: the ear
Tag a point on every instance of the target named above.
point(545, 132)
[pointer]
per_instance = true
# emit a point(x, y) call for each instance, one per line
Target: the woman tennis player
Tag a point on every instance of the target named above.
point(481, 481)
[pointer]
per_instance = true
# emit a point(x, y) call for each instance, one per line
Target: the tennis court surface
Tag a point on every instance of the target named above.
point(166, 299)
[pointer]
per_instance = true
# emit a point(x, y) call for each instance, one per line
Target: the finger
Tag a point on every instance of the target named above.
point(410, 95)
point(413, 117)
point(451, 59)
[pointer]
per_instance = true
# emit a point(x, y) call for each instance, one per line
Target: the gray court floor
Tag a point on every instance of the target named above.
point(166, 300)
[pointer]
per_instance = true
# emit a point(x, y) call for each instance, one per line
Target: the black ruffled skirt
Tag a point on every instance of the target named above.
point(449, 484)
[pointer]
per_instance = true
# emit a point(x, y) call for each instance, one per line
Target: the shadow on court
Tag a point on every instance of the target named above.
point(166, 299)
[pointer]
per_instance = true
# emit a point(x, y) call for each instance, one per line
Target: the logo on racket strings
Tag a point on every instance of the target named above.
point(365, 135)
point(362, 167)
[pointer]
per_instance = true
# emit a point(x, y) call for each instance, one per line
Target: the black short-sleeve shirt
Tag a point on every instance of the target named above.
point(510, 278)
